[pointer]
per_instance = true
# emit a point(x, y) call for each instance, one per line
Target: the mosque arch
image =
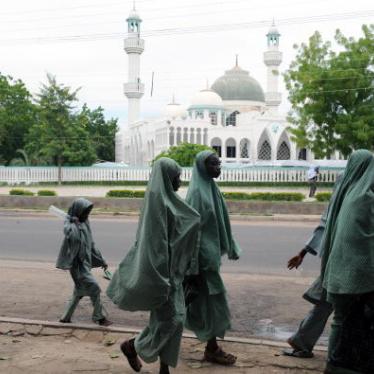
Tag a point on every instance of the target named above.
point(216, 144)
point(231, 119)
point(264, 151)
point(284, 147)
point(244, 148)
point(179, 136)
point(185, 135)
point(205, 136)
point(283, 152)
point(171, 136)
point(302, 154)
point(230, 148)
point(213, 116)
point(192, 135)
point(198, 136)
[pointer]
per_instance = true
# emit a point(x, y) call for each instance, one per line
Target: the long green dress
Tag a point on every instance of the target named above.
point(208, 316)
point(78, 254)
point(150, 276)
point(348, 248)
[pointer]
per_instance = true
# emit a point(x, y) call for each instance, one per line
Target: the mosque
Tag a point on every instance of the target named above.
point(234, 116)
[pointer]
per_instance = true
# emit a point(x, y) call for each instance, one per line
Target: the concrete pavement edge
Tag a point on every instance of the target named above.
point(128, 330)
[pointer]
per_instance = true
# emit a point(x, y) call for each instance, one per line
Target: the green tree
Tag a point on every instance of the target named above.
point(17, 115)
point(332, 94)
point(58, 136)
point(183, 153)
point(102, 132)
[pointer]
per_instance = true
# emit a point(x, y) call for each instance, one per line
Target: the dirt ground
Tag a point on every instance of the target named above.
point(261, 305)
point(88, 352)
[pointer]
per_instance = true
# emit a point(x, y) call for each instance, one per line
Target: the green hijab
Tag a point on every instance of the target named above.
point(166, 242)
point(78, 243)
point(216, 237)
point(348, 244)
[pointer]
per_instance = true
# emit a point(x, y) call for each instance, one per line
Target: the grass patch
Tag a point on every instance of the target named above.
point(125, 193)
point(47, 193)
point(265, 196)
point(323, 196)
point(20, 192)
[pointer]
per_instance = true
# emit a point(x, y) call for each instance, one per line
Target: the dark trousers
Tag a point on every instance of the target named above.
point(313, 186)
point(312, 326)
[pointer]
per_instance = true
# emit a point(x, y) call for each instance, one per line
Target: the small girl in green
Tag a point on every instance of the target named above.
point(79, 255)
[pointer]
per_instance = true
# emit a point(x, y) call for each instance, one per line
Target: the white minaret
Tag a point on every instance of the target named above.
point(272, 59)
point(134, 47)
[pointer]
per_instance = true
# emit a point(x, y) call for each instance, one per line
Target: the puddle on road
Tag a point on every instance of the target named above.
point(265, 328)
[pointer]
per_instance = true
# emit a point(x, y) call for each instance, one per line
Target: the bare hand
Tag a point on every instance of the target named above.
point(296, 261)
point(234, 257)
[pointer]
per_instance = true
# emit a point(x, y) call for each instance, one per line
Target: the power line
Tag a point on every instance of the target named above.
point(162, 17)
point(88, 15)
point(184, 15)
point(263, 23)
point(101, 4)
point(144, 10)
point(195, 29)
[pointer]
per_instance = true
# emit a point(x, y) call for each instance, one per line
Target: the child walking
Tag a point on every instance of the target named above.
point(79, 255)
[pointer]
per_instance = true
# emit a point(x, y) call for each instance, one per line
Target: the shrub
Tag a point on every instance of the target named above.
point(323, 196)
point(267, 196)
point(21, 192)
point(125, 193)
point(47, 193)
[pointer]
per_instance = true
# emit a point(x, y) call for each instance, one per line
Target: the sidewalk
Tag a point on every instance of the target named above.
point(262, 305)
point(33, 348)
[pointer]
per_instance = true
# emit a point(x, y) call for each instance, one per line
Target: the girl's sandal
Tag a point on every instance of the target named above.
point(219, 357)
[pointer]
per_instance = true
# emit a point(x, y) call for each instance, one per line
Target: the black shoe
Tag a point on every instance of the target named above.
point(104, 322)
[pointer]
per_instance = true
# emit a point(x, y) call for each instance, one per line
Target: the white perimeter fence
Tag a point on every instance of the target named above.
point(28, 175)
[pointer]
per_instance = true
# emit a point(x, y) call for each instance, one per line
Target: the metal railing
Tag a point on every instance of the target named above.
point(28, 175)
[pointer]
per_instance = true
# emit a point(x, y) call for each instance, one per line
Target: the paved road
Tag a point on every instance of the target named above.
point(266, 245)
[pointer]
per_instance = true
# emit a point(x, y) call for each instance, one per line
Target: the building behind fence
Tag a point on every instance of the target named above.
point(30, 175)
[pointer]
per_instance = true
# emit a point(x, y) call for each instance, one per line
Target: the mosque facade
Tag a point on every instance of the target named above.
point(234, 115)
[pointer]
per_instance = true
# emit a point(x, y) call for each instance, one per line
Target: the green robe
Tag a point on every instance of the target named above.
point(348, 244)
point(150, 276)
point(208, 316)
point(78, 254)
point(316, 293)
point(348, 249)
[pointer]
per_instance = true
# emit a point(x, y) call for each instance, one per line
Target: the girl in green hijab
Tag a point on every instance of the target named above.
point(208, 316)
point(348, 263)
point(150, 276)
point(78, 254)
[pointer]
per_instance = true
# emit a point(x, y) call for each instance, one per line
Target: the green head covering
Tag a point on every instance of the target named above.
point(348, 244)
point(78, 241)
point(216, 238)
point(166, 242)
point(80, 206)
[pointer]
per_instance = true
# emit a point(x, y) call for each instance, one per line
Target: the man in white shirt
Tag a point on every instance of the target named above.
point(312, 179)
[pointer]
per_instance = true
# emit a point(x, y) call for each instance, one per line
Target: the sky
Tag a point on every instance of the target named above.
point(81, 43)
